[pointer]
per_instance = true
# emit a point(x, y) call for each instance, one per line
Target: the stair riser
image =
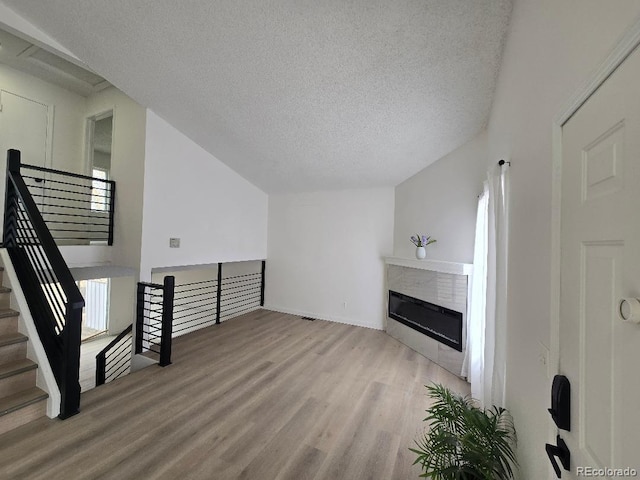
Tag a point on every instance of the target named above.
point(8, 325)
point(24, 415)
point(9, 353)
point(5, 300)
point(17, 390)
point(16, 383)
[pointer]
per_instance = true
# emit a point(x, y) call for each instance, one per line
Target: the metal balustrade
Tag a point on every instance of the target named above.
point(154, 319)
point(114, 360)
point(78, 209)
point(208, 302)
point(49, 288)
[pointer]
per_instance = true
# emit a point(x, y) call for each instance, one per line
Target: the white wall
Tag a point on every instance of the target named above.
point(68, 154)
point(327, 248)
point(442, 201)
point(189, 194)
point(127, 169)
point(122, 303)
point(552, 47)
point(68, 107)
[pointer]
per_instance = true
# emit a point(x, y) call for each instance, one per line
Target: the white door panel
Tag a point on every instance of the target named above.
point(600, 264)
point(24, 126)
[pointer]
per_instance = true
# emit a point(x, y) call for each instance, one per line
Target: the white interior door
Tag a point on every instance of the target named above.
point(600, 264)
point(25, 125)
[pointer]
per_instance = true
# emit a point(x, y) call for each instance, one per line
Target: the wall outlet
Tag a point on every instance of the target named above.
point(174, 243)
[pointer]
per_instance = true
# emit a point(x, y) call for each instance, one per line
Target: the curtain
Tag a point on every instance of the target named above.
point(473, 366)
point(496, 348)
point(485, 363)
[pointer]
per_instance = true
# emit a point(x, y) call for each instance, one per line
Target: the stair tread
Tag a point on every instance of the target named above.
point(16, 367)
point(8, 312)
point(23, 398)
point(11, 338)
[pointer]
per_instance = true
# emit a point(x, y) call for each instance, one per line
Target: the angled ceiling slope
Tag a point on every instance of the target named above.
point(298, 95)
point(30, 58)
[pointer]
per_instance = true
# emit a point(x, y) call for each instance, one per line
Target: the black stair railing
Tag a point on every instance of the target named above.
point(78, 209)
point(114, 360)
point(154, 318)
point(207, 302)
point(240, 293)
point(49, 288)
point(195, 306)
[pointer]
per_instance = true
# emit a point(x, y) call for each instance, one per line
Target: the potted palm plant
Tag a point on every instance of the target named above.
point(465, 442)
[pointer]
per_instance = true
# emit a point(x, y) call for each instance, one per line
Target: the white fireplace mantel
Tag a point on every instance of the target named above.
point(445, 284)
point(433, 265)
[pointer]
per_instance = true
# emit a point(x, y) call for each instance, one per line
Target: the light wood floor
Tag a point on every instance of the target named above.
point(263, 396)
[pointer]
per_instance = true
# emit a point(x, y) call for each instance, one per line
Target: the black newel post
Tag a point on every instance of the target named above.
point(69, 381)
point(11, 200)
point(112, 210)
point(139, 317)
point(219, 293)
point(167, 320)
point(101, 367)
point(262, 284)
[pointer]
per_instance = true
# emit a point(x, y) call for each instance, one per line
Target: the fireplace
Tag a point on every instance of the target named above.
point(440, 323)
point(425, 301)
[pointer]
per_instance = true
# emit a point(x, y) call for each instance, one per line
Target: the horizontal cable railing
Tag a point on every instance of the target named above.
point(194, 306)
point(207, 302)
point(78, 209)
point(240, 293)
point(49, 288)
point(154, 318)
point(114, 360)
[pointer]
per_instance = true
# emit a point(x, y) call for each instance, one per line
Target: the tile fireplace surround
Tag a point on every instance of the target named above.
point(441, 283)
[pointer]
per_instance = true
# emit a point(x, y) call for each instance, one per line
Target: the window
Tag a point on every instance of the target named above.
point(99, 190)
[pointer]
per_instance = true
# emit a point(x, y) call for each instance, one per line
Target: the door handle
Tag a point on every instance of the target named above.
point(562, 452)
point(629, 310)
point(561, 402)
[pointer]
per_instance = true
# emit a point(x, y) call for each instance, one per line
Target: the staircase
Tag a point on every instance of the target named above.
point(20, 400)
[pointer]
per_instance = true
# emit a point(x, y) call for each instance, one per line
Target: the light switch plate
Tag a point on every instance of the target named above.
point(174, 243)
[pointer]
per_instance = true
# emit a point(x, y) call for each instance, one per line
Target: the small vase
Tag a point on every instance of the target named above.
point(421, 253)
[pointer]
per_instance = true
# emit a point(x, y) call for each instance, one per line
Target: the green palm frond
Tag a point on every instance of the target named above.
point(465, 442)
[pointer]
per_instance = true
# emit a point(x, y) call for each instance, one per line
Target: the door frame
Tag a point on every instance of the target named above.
point(88, 137)
point(629, 41)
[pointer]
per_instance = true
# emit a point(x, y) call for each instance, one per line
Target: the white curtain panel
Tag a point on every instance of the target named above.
point(485, 362)
point(473, 366)
point(497, 286)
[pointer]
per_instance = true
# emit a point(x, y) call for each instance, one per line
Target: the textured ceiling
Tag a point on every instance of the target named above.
point(298, 95)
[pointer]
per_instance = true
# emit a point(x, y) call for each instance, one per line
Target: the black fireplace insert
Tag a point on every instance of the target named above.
point(441, 323)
